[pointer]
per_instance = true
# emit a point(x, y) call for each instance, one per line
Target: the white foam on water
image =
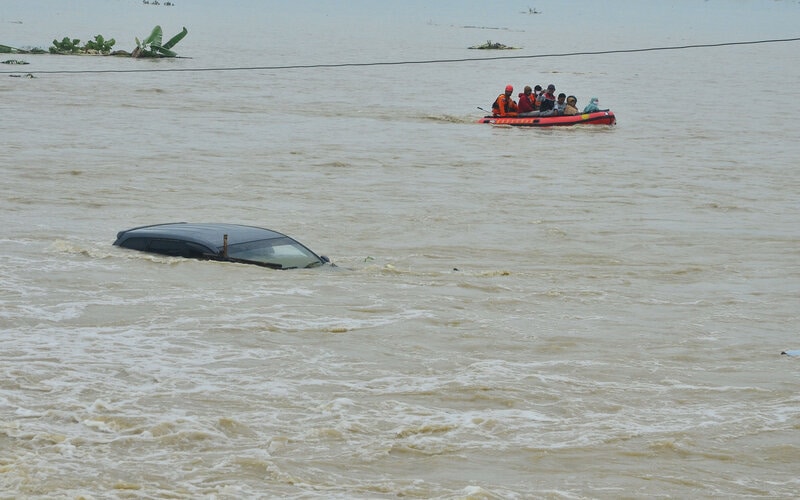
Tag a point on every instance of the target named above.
point(517, 313)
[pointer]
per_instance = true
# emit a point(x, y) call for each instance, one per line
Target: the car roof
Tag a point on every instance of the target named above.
point(205, 233)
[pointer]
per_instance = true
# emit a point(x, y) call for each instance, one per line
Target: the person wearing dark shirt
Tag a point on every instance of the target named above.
point(537, 94)
point(548, 99)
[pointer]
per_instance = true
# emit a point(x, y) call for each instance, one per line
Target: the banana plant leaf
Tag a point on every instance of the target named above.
point(175, 39)
point(163, 51)
point(155, 37)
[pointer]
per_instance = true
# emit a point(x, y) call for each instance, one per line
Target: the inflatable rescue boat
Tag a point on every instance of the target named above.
point(602, 117)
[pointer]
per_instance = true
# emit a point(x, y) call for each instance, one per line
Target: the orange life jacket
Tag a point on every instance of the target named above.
point(504, 106)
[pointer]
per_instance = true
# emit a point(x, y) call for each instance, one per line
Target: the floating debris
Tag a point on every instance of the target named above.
point(489, 45)
point(5, 49)
point(15, 61)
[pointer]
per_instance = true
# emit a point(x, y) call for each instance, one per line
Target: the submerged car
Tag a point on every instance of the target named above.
point(223, 242)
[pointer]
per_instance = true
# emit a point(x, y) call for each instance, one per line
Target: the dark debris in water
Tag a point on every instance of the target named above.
point(489, 45)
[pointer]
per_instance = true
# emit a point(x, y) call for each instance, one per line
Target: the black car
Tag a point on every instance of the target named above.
point(224, 242)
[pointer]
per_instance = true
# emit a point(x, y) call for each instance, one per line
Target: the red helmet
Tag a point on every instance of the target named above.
point(509, 88)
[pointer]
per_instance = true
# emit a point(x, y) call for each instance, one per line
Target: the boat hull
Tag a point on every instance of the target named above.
point(597, 118)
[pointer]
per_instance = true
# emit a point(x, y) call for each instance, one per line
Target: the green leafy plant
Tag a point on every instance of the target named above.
point(100, 44)
point(66, 46)
point(73, 46)
point(152, 46)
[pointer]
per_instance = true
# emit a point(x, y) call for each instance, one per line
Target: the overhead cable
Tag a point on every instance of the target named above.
point(400, 63)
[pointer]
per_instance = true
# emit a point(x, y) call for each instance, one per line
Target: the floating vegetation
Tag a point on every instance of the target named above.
point(66, 46)
point(489, 45)
point(69, 45)
point(5, 49)
point(99, 45)
point(152, 47)
point(149, 47)
point(15, 61)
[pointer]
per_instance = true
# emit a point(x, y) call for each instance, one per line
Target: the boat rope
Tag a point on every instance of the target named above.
point(430, 61)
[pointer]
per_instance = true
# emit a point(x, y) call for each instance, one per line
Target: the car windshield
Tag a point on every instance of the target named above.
point(281, 253)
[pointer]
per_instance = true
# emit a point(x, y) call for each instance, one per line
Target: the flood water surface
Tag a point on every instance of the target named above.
point(593, 312)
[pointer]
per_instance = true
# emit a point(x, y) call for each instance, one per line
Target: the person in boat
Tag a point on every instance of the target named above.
point(571, 107)
point(561, 103)
point(504, 105)
point(592, 106)
point(548, 100)
point(526, 101)
point(537, 94)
